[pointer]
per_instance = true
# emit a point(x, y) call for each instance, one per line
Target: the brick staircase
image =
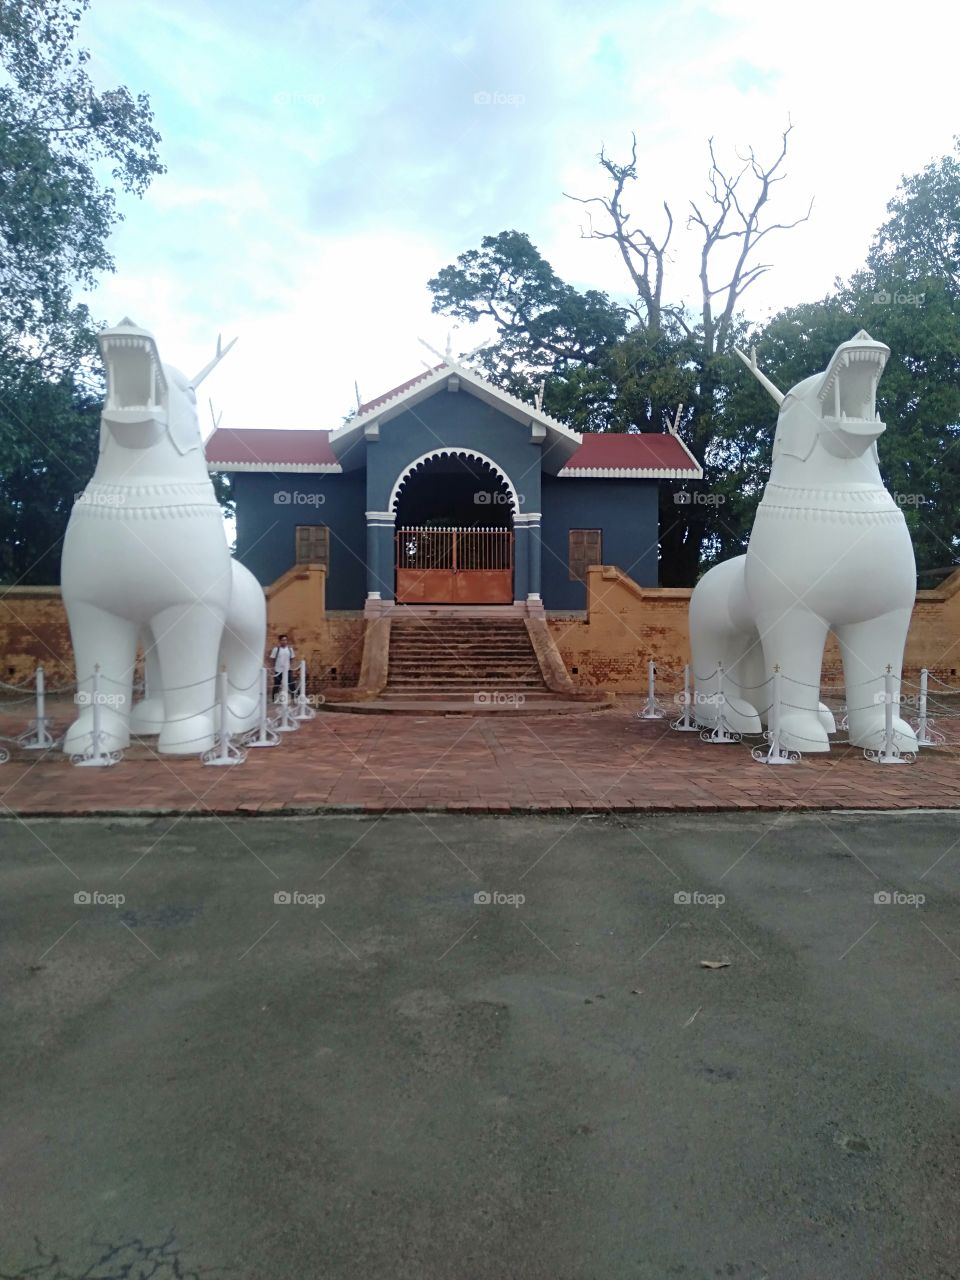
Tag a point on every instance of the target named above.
point(451, 663)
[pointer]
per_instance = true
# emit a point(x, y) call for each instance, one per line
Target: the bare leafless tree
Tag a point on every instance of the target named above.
point(733, 215)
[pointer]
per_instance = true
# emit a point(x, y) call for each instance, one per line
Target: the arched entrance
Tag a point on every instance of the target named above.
point(454, 531)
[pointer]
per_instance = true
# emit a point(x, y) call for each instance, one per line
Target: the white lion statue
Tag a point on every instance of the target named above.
point(829, 551)
point(145, 559)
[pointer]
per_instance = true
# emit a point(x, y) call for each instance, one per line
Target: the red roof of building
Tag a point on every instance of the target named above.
point(262, 447)
point(642, 451)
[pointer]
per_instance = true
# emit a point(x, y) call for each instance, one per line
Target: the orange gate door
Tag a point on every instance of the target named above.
point(454, 566)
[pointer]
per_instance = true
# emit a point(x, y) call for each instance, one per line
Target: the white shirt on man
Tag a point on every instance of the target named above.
point(282, 655)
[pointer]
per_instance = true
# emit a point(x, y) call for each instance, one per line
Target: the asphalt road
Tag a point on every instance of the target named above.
point(402, 1082)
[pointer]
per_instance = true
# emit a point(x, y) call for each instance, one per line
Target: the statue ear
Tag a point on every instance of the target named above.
point(182, 420)
point(797, 430)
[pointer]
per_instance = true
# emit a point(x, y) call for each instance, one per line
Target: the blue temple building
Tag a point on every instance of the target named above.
point(449, 491)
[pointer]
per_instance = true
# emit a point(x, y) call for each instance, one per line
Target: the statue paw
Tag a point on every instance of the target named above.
point(147, 716)
point(187, 735)
point(803, 731)
point(872, 733)
point(114, 733)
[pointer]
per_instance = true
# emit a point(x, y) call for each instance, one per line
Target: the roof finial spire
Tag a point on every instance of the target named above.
point(448, 351)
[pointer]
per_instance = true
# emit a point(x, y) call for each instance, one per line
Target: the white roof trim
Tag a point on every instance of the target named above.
point(325, 468)
point(386, 409)
point(632, 473)
point(452, 451)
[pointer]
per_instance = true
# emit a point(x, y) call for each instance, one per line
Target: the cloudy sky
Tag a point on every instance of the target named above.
point(326, 159)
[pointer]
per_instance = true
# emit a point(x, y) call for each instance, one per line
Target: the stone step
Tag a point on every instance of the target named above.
point(432, 677)
point(443, 693)
point(453, 707)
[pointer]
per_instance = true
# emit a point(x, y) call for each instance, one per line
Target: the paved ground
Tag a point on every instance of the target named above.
point(606, 759)
point(405, 1083)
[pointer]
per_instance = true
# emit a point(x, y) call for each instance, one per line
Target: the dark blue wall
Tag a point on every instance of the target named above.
point(454, 419)
point(626, 511)
point(266, 538)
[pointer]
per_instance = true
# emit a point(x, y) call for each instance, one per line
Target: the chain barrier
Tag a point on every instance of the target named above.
point(91, 749)
point(722, 722)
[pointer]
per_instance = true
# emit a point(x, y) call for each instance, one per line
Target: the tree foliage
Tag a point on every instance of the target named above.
point(613, 368)
point(66, 149)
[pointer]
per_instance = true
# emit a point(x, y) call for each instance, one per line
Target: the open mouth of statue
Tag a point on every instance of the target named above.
point(136, 386)
point(849, 391)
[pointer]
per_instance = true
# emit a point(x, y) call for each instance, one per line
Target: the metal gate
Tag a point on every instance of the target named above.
point(454, 566)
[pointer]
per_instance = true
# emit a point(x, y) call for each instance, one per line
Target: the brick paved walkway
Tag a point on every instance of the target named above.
point(607, 760)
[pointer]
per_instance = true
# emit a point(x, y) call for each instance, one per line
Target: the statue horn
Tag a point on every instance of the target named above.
point(209, 368)
point(751, 363)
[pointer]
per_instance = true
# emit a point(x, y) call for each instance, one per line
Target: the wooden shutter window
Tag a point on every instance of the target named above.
point(586, 548)
point(313, 545)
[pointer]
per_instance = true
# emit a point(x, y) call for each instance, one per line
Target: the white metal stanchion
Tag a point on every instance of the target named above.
point(38, 737)
point(304, 710)
point(775, 752)
point(224, 752)
point(264, 735)
point(94, 756)
point(685, 724)
point(927, 735)
point(651, 711)
point(721, 731)
point(889, 753)
point(286, 722)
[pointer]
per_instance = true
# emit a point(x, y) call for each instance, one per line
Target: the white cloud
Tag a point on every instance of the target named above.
point(324, 167)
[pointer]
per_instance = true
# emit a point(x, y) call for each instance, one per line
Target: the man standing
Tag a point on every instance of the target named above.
point(282, 657)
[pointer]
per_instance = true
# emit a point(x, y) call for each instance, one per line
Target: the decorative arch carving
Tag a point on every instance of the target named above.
point(452, 452)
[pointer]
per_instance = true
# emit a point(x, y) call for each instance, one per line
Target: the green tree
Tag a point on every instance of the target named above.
point(612, 368)
point(57, 135)
point(908, 296)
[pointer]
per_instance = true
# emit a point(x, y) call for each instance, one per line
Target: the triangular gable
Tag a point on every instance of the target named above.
point(432, 382)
